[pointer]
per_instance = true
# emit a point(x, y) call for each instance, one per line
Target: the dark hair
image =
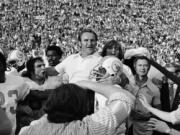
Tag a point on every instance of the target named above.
point(66, 103)
point(3, 60)
point(88, 31)
point(57, 49)
point(110, 44)
point(30, 66)
point(141, 58)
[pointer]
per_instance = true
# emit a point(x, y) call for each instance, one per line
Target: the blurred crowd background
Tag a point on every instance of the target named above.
point(29, 25)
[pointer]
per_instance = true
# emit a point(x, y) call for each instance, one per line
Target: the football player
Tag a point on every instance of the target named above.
point(12, 89)
point(109, 71)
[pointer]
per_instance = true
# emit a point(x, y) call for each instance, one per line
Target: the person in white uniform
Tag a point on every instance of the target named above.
point(12, 89)
point(108, 71)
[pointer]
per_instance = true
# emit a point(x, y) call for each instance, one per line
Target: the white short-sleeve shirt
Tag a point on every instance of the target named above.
point(78, 68)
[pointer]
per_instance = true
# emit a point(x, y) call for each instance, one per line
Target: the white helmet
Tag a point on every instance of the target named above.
point(16, 57)
point(109, 66)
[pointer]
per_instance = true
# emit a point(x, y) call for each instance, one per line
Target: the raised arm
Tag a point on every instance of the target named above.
point(120, 101)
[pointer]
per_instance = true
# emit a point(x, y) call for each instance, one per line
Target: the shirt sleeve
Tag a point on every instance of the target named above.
point(126, 99)
point(104, 122)
point(61, 66)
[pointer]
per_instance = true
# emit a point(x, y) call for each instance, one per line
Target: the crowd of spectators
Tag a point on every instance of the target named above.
point(35, 24)
point(113, 26)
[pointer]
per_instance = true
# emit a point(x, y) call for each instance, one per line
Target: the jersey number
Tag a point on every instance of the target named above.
point(11, 93)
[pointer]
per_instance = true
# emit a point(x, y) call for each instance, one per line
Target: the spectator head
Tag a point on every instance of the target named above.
point(66, 103)
point(88, 40)
point(171, 67)
point(174, 69)
point(2, 67)
point(141, 65)
point(53, 54)
point(35, 68)
point(112, 47)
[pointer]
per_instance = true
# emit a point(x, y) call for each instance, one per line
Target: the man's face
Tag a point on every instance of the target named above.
point(39, 70)
point(53, 58)
point(141, 67)
point(88, 43)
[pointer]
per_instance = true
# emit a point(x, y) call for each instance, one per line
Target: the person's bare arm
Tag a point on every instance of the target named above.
point(161, 114)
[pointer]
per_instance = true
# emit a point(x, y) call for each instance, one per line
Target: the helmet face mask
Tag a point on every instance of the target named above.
point(108, 69)
point(13, 63)
point(99, 73)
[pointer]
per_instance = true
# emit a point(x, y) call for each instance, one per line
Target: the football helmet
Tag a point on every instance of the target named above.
point(16, 58)
point(109, 67)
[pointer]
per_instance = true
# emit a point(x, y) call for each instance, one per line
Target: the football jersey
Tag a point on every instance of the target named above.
point(11, 91)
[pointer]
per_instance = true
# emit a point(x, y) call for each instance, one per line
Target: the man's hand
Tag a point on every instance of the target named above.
point(157, 125)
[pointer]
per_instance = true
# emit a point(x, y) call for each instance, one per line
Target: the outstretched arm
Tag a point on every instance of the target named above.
point(161, 114)
point(120, 100)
